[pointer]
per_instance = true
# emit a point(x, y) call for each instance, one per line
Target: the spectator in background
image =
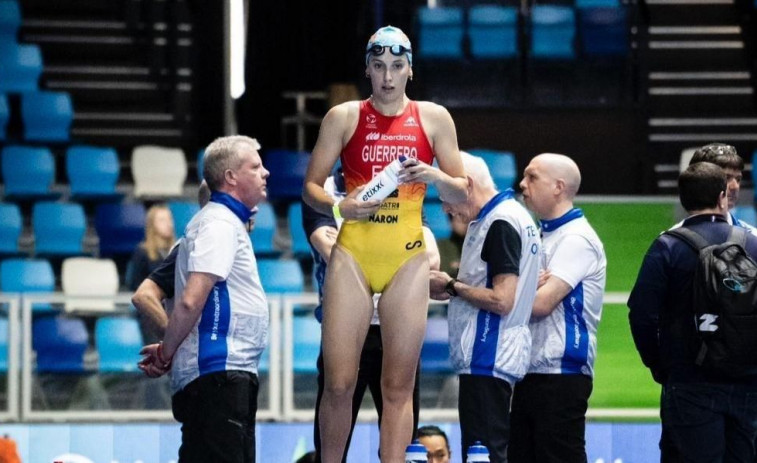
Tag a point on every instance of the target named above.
point(159, 238)
point(218, 328)
point(549, 405)
point(436, 443)
point(489, 306)
point(709, 417)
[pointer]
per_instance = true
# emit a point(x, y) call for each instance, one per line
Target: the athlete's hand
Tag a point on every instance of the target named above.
point(437, 283)
point(415, 171)
point(351, 208)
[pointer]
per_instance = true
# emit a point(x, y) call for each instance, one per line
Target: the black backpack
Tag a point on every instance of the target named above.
point(724, 303)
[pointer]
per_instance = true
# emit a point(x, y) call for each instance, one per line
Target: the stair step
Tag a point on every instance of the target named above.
point(702, 137)
point(702, 122)
point(696, 45)
point(702, 76)
point(694, 30)
point(685, 91)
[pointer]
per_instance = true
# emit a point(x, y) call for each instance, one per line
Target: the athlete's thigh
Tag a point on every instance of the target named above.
point(347, 312)
point(402, 310)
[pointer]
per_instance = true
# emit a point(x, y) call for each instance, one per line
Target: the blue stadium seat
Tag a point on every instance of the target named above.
point(5, 116)
point(306, 333)
point(28, 276)
point(300, 243)
point(754, 172)
point(604, 32)
point(118, 342)
point(28, 173)
point(11, 225)
point(745, 214)
point(120, 227)
point(200, 164)
point(182, 212)
point(20, 67)
point(4, 339)
point(47, 116)
point(493, 31)
point(10, 20)
point(264, 230)
point(581, 4)
point(437, 220)
point(93, 173)
point(440, 33)
point(501, 165)
point(435, 349)
point(553, 32)
point(58, 228)
point(287, 173)
point(281, 276)
point(59, 343)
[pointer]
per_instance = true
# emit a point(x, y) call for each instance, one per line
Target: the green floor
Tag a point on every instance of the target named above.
point(620, 379)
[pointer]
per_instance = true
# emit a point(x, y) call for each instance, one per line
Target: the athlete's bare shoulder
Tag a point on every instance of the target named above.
point(343, 117)
point(435, 117)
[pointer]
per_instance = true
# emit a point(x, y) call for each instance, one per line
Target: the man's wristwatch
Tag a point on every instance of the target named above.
point(450, 288)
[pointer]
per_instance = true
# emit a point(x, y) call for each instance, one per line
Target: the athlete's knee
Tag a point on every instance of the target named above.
point(340, 388)
point(397, 389)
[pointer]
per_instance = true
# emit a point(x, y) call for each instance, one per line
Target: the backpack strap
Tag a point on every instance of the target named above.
point(690, 237)
point(738, 236)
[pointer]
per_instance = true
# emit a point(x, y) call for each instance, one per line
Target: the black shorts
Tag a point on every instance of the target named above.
point(217, 415)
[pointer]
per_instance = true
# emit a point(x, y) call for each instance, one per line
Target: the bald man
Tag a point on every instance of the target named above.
point(549, 405)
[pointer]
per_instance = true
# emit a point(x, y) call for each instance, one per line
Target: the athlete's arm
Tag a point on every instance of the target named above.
point(331, 139)
point(449, 179)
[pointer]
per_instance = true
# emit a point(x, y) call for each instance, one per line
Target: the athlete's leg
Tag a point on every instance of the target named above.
point(402, 311)
point(347, 312)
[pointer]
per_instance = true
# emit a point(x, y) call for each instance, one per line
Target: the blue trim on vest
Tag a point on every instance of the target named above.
point(485, 343)
point(236, 206)
point(213, 330)
point(498, 198)
point(554, 224)
point(576, 333)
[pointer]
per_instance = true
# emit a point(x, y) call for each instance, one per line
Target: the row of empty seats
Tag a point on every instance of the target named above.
point(493, 32)
point(29, 172)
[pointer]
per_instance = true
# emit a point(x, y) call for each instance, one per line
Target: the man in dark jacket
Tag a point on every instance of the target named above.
point(711, 418)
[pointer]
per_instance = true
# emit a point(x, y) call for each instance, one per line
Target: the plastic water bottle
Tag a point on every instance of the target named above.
point(416, 453)
point(384, 183)
point(478, 453)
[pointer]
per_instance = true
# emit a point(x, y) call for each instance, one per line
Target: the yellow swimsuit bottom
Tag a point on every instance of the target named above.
point(382, 244)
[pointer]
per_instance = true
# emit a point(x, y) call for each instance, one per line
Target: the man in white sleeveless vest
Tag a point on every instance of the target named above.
point(549, 405)
point(490, 305)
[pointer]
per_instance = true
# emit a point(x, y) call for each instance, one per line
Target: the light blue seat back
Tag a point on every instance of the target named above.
point(28, 276)
point(92, 171)
point(47, 116)
point(264, 230)
point(553, 32)
point(501, 165)
point(4, 339)
point(493, 31)
point(440, 33)
point(182, 212)
point(306, 333)
point(437, 220)
point(11, 225)
point(58, 228)
point(27, 171)
point(300, 243)
point(10, 20)
point(20, 67)
point(5, 116)
point(281, 276)
point(118, 342)
point(745, 214)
